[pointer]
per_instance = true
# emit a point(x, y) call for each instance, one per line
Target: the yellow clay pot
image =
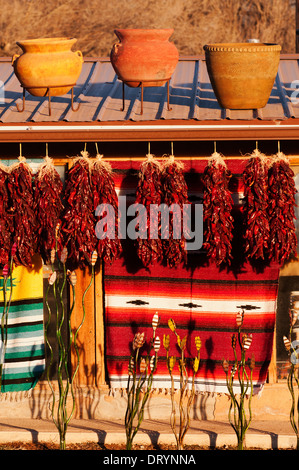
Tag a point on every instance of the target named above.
point(47, 63)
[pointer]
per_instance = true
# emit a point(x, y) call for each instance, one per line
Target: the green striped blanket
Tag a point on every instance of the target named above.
point(25, 350)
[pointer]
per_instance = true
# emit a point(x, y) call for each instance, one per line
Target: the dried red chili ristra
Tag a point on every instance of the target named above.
point(77, 231)
point(175, 191)
point(282, 190)
point(255, 208)
point(6, 218)
point(21, 190)
point(217, 207)
point(48, 207)
point(104, 192)
point(149, 191)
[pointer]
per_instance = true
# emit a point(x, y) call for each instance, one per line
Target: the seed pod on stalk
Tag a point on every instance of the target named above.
point(157, 344)
point(63, 256)
point(287, 343)
point(172, 324)
point(138, 340)
point(142, 365)
point(240, 318)
point(155, 321)
point(246, 341)
point(52, 278)
point(225, 365)
point(72, 277)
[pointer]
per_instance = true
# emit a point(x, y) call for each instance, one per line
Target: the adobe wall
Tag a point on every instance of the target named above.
point(274, 402)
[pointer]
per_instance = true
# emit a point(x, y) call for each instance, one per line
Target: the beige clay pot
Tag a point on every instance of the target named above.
point(242, 74)
point(47, 63)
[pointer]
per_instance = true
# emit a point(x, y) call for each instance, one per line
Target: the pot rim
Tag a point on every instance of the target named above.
point(150, 33)
point(43, 41)
point(143, 29)
point(242, 47)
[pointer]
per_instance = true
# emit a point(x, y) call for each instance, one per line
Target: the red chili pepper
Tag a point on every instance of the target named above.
point(217, 207)
point(149, 191)
point(48, 207)
point(255, 208)
point(175, 191)
point(21, 190)
point(104, 192)
point(78, 214)
point(282, 190)
point(6, 218)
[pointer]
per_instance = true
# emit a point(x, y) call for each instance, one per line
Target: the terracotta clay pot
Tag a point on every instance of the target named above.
point(242, 74)
point(144, 55)
point(47, 63)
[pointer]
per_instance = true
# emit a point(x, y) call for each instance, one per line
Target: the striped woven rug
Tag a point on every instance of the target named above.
point(25, 356)
point(202, 299)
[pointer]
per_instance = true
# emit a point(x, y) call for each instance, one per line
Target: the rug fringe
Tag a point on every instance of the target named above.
point(16, 396)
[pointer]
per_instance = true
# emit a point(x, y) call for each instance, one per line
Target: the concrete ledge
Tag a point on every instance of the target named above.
point(261, 435)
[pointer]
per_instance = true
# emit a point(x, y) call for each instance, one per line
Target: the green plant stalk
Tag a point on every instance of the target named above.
point(189, 404)
point(61, 411)
point(4, 319)
point(294, 407)
point(50, 362)
point(184, 411)
point(183, 385)
point(62, 419)
point(239, 422)
point(173, 411)
point(134, 407)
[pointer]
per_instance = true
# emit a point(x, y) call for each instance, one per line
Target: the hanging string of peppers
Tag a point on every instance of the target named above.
point(217, 207)
point(6, 218)
point(31, 208)
point(21, 190)
point(175, 191)
point(255, 209)
point(149, 191)
point(48, 206)
point(108, 247)
point(281, 190)
point(77, 231)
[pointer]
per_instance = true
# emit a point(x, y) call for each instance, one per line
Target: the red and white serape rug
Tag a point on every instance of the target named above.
point(202, 299)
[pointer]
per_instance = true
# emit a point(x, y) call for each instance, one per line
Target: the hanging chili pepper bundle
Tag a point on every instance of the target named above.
point(255, 209)
point(48, 202)
point(217, 207)
point(77, 232)
point(175, 191)
point(21, 190)
point(108, 248)
point(149, 191)
point(282, 190)
point(6, 218)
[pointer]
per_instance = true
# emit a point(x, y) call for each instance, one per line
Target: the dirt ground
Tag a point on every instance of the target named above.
point(85, 446)
point(96, 446)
